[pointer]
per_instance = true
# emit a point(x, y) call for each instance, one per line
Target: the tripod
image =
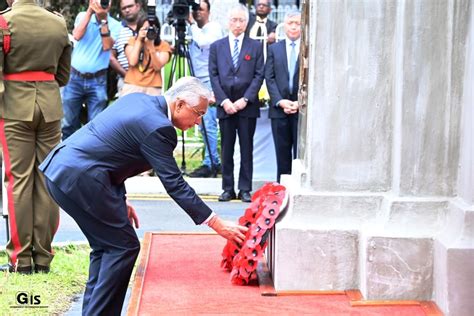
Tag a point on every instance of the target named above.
point(178, 68)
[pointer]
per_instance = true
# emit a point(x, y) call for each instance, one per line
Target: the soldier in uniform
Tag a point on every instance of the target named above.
point(37, 64)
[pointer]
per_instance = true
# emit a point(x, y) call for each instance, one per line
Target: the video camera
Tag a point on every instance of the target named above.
point(180, 10)
point(153, 32)
point(178, 15)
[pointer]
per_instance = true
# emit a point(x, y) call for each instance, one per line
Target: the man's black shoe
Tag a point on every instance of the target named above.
point(201, 172)
point(227, 196)
point(41, 269)
point(245, 196)
point(21, 270)
point(218, 169)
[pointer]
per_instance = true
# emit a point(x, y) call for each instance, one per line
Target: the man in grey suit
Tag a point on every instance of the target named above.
point(281, 77)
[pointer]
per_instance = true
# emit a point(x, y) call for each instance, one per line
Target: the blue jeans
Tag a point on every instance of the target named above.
point(79, 91)
point(210, 121)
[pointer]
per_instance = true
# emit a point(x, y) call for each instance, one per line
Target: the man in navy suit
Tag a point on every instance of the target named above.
point(85, 175)
point(281, 77)
point(236, 69)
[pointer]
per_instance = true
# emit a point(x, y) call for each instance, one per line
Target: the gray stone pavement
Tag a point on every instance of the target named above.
point(156, 211)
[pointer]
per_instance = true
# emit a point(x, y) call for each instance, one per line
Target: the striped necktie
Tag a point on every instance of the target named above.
point(235, 53)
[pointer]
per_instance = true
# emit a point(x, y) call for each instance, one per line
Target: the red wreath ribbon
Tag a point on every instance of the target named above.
point(260, 218)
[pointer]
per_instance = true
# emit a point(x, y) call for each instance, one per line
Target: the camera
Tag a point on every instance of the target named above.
point(153, 32)
point(104, 4)
point(180, 10)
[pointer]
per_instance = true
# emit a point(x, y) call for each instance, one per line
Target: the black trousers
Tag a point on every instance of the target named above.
point(114, 252)
point(231, 127)
point(285, 137)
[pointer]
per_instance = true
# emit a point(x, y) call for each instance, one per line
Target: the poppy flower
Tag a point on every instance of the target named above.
point(247, 57)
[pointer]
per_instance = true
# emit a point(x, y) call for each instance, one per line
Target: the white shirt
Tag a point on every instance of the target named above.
point(232, 42)
point(200, 46)
point(254, 29)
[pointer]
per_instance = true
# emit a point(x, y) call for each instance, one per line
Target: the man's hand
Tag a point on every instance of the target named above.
point(190, 18)
point(229, 107)
point(230, 231)
point(271, 38)
point(97, 8)
point(289, 107)
point(240, 104)
point(132, 215)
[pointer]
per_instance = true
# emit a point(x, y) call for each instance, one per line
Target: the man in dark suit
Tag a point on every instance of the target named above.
point(259, 23)
point(85, 175)
point(281, 77)
point(236, 70)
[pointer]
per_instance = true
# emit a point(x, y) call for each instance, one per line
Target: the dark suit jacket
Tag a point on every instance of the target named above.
point(271, 26)
point(277, 78)
point(233, 84)
point(130, 136)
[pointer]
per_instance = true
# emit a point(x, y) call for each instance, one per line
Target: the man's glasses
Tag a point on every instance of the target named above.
point(198, 113)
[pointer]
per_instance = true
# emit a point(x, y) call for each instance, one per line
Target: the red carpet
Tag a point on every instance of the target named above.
point(181, 275)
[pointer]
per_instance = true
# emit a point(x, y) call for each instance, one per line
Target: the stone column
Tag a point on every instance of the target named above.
point(454, 248)
point(381, 143)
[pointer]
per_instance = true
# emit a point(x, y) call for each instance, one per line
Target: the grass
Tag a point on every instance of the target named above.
point(55, 290)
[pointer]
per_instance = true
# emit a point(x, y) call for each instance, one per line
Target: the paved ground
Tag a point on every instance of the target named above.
point(156, 211)
point(155, 214)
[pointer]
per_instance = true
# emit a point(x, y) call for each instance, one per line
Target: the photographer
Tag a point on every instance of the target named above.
point(204, 33)
point(146, 55)
point(95, 31)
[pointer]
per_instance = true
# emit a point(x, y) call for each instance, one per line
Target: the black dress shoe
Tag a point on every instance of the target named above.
point(227, 196)
point(245, 196)
point(201, 172)
point(41, 269)
point(217, 169)
point(21, 270)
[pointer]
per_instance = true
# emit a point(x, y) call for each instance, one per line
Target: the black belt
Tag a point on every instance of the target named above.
point(89, 75)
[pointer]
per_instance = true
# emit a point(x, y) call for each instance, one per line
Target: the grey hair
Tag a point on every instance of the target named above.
point(239, 7)
point(189, 88)
point(292, 13)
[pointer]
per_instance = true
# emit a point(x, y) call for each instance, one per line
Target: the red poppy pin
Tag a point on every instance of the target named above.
point(247, 57)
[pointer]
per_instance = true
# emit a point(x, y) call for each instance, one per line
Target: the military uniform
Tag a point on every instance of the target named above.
point(30, 126)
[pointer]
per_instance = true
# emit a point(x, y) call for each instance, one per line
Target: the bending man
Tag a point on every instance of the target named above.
point(85, 175)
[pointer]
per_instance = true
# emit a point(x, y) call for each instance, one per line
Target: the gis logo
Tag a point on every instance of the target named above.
point(25, 298)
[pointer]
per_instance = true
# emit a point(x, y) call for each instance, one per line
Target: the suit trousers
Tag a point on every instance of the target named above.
point(285, 135)
point(33, 215)
point(114, 251)
point(230, 127)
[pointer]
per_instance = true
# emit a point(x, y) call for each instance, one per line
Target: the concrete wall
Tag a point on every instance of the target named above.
point(385, 173)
